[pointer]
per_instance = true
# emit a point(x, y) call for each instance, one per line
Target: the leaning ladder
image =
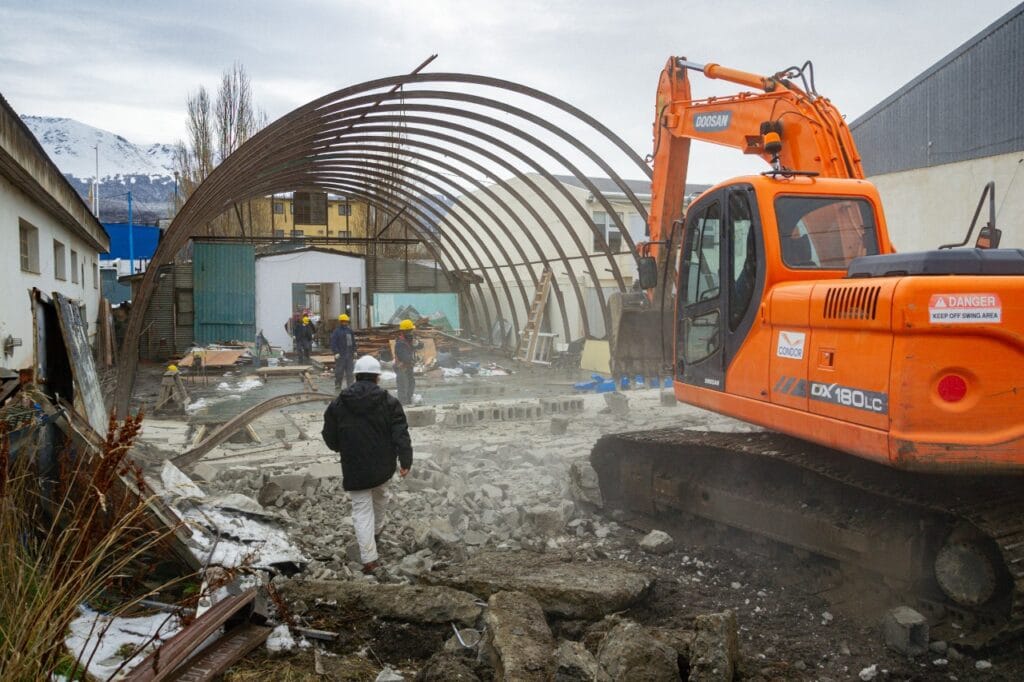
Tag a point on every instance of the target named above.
point(526, 349)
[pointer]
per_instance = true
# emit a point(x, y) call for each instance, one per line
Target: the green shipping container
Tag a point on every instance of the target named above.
point(224, 291)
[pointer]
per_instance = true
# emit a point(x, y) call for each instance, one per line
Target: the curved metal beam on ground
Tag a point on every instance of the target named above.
point(236, 174)
point(230, 428)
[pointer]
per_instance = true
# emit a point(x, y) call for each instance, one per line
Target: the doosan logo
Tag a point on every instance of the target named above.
point(712, 121)
point(791, 345)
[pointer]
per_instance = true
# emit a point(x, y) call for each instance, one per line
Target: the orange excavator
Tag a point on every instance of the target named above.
point(892, 383)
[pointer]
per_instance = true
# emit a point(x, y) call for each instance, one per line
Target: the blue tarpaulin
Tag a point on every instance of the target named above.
point(145, 239)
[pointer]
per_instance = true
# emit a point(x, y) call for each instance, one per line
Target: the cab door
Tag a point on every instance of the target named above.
point(701, 322)
point(721, 278)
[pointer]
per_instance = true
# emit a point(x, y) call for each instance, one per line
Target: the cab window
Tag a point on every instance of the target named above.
point(825, 233)
point(700, 269)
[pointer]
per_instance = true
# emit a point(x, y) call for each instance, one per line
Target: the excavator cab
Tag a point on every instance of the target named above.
point(740, 238)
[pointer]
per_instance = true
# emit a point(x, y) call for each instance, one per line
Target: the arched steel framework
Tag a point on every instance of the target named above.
point(439, 156)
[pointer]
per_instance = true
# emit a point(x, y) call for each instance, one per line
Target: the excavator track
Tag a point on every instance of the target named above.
point(956, 544)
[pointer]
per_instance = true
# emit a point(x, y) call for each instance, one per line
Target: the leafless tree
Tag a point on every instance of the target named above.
point(215, 130)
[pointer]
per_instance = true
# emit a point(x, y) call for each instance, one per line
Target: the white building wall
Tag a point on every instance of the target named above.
point(15, 309)
point(276, 274)
point(927, 207)
point(578, 212)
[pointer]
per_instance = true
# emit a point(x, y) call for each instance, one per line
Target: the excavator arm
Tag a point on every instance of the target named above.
point(792, 128)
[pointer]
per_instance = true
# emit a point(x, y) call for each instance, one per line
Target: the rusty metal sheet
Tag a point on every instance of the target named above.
point(222, 654)
point(162, 663)
point(88, 395)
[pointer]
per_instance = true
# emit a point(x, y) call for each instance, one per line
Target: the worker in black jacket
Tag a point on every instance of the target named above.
point(304, 339)
point(405, 361)
point(367, 426)
point(343, 344)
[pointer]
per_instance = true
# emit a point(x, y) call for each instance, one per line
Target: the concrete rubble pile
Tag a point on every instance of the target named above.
point(492, 533)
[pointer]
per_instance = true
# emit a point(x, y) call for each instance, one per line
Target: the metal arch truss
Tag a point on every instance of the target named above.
point(400, 149)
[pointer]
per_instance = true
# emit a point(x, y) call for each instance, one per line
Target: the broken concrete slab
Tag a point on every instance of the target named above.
point(905, 631)
point(657, 542)
point(421, 416)
point(566, 590)
point(668, 399)
point(550, 520)
point(269, 494)
point(629, 653)
point(584, 485)
point(559, 425)
point(714, 654)
point(324, 470)
point(206, 472)
point(617, 403)
point(518, 642)
point(573, 663)
point(414, 603)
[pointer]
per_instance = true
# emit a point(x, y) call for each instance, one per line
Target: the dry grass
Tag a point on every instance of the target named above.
point(65, 540)
point(301, 667)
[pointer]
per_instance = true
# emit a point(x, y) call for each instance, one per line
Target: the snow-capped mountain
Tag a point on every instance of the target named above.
point(146, 170)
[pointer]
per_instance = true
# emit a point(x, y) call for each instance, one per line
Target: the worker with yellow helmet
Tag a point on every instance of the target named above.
point(343, 345)
point(405, 361)
point(303, 333)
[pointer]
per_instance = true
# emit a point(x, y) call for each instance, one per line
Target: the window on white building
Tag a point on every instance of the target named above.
point(278, 207)
point(28, 239)
point(95, 275)
point(60, 261)
point(607, 228)
point(344, 209)
point(74, 266)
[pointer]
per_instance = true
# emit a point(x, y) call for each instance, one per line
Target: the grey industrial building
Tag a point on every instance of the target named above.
point(931, 146)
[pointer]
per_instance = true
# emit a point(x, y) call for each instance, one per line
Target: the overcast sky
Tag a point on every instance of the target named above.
point(128, 66)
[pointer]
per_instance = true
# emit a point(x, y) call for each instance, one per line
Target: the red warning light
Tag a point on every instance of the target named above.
point(952, 388)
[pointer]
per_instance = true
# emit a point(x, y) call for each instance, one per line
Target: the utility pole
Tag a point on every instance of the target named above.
point(131, 236)
point(96, 184)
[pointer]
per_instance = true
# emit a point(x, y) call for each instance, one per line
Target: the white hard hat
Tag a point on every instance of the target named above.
point(367, 364)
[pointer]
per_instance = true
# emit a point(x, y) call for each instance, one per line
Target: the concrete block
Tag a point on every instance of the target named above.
point(518, 641)
point(668, 399)
point(324, 470)
point(206, 472)
point(421, 416)
point(293, 482)
point(481, 413)
point(618, 404)
point(905, 631)
point(559, 425)
point(457, 419)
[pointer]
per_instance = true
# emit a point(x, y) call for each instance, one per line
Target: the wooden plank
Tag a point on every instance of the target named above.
point(212, 358)
point(232, 646)
point(290, 370)
point(164, 662)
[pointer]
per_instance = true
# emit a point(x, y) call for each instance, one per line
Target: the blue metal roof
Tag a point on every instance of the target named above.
point(967, 106)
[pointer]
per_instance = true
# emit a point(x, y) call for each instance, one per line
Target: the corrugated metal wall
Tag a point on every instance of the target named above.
point(969, 105)
point(162, 338)
point(394, 275)
point(224, 291)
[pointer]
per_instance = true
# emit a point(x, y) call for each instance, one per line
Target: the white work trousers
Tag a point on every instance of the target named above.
point(369, 512)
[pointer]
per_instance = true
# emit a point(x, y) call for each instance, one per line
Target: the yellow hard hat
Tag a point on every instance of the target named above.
point(172, 368)
point(406, 325)
point(305, 320)
point(343, 318)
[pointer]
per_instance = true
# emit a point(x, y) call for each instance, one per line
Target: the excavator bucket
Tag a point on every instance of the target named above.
point(640, 339)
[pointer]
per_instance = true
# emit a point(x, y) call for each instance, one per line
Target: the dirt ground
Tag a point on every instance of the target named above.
point(798, 617)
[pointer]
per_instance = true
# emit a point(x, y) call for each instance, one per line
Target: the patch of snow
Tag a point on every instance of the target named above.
point(869, 673)
point(197, 405)
point(101, 636)
point(280, 640)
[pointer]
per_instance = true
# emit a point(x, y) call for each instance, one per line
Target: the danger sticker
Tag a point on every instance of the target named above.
point(965, 309)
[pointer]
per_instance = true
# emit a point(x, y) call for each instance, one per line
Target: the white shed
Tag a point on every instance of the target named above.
point(328, 282)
